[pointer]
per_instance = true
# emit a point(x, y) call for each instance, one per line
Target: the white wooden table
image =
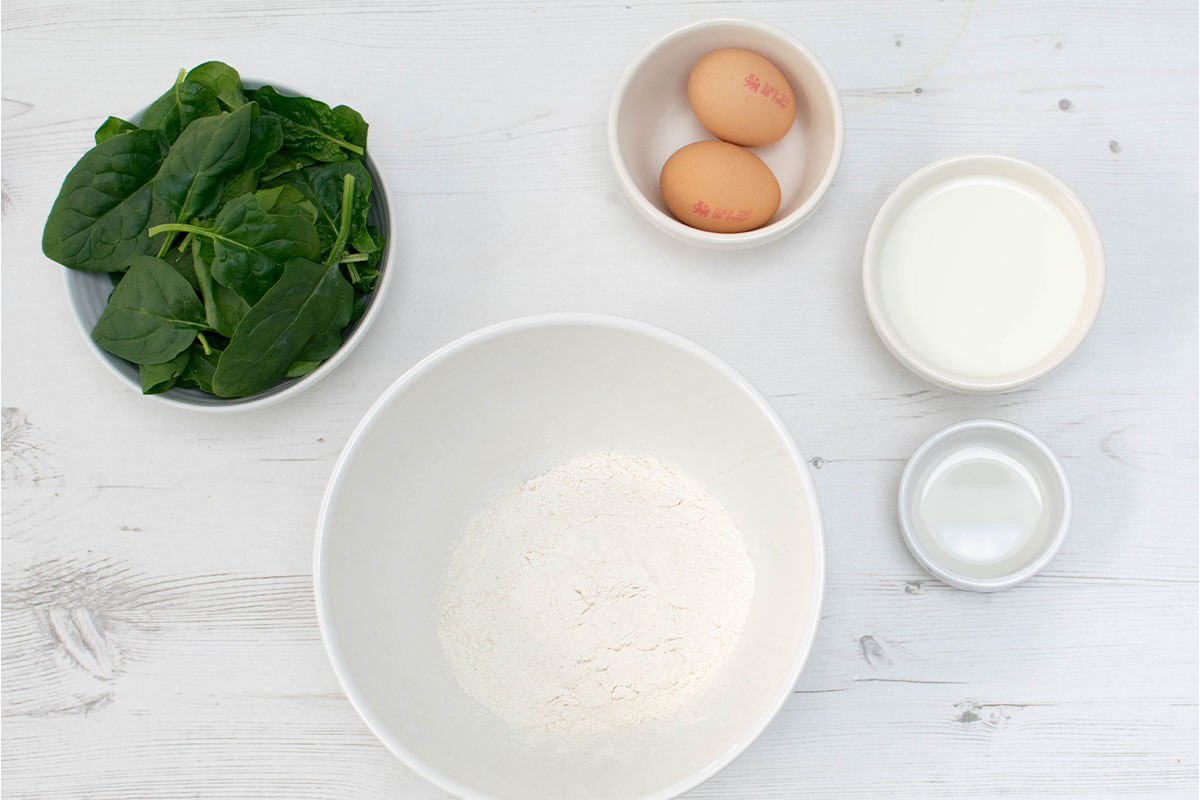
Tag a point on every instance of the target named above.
point(159, 636)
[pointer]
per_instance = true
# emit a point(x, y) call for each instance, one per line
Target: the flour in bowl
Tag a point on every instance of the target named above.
point(604, 593)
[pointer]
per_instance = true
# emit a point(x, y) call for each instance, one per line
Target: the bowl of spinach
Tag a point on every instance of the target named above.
point(228, 248)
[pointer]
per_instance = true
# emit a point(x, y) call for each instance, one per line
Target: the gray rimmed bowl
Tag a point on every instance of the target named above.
point(88, 294)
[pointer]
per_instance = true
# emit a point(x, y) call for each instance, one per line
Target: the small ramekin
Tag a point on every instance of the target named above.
point(1032, 454)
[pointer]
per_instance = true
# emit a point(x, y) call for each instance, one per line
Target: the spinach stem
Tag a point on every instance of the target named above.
point(186, 241)
point(166, 245)
point(204, 343)
point(171, 227)
point(349, 257)
point(353, 272)
point(339, 244)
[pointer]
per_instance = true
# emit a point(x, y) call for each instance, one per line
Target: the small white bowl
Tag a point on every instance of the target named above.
point(486, 413)
point(984, 505)
point(649, 119)
point(1032, 178)
point(88, 292)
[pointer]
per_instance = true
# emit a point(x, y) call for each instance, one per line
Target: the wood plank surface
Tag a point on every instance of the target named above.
point(159, 634)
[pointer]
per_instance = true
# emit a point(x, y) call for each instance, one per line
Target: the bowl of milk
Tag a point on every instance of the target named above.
point(983, 273)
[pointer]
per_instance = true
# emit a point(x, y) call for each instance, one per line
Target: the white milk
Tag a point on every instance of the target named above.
point(982, 276)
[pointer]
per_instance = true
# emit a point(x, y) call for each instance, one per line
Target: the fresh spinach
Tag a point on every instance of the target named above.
point(100, 218)
point(207, 154)
point(266, 137)
point(284, 162)
point(151, 316)
point(321, 185)
point(301, 368)
point(157, 378)
point(251, 245)
point(185, 102)
point(200, 367)
point(111, 127)
point(233, 224)
point(223, 307)
point(309, 297)
point(222, 80)
point(313, 129)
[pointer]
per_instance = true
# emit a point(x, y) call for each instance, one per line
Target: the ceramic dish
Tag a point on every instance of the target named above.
point(87, 293)
point(649, 119)
point(484, 414)
point(1048, 191)
point(984, 505)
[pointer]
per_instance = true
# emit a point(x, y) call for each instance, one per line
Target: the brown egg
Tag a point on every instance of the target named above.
point(741, 97)
point(720, 187)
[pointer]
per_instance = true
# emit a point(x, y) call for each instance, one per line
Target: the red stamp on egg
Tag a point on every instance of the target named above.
point(772, 93)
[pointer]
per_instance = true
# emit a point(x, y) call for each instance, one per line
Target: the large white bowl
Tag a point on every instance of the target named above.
point(649, 119)
point(493, 409)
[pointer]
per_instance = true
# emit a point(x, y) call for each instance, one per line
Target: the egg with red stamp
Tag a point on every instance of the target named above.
point(741, 97)
point(719, 187)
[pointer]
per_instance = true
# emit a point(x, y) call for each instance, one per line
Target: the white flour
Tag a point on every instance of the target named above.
point(604, 593)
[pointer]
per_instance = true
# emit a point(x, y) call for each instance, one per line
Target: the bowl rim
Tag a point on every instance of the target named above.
point(983, 164)
point(725, 241)
point(935, 567)
point(469, 340)
point(303, 383)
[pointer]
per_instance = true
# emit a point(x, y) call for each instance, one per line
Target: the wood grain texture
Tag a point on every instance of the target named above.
point(159, 635)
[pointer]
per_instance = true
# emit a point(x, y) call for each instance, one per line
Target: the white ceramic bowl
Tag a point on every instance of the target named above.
point(1036, 180)
point(649, 119)
point(88, 293)
point(1027, 460)
point(489, 411)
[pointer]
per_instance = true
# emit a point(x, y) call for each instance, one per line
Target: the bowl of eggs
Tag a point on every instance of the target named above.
point(726, 133)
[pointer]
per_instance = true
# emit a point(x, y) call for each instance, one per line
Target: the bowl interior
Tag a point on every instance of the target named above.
point(1045, 185)
point(653, 118)
point(1040, 465)
point(483, 415)
point(88, 294)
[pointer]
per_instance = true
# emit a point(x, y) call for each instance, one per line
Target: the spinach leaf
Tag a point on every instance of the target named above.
point(359, 308)
point(266, 137)
point(210, 151)
point(99, 219)
point(284, 199)
point(321, 346)
point(251, 245)
point(222, 80)
point(112, 127)
point(157, 378)
point(308, 298)
point(322, 185)
point(302, 368)
point(185, 102)
point(200, 367)
point(223, 307)
point(284, 161)
point(313, 129)
point(151, 316)
point(181, 260)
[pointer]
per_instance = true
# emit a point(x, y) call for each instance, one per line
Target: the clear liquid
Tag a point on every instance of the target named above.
point(980, 511)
